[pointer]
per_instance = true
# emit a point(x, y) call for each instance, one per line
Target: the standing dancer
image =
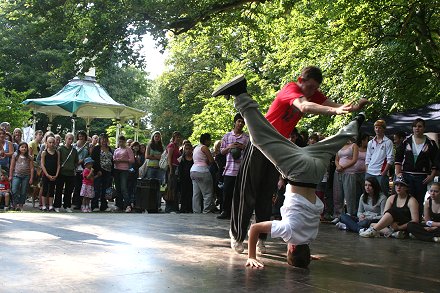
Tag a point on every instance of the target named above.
point(303, 168)
point(257, 178)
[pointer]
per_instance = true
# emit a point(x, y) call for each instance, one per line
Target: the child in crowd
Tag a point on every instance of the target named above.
point(5, 189)
point(430, 231)
point(50, 164)
point(21, 174)
point(87, 189)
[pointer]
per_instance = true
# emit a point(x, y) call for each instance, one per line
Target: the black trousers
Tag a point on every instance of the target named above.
point(418, 230)
point(255, 185)
point(64, 188)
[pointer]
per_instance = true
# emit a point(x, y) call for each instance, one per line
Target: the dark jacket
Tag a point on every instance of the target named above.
point(96, 157)
point(425, 160)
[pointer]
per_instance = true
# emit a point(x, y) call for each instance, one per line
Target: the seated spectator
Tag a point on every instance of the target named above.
point(401, 209)
point(371, 208)
point(429, 231)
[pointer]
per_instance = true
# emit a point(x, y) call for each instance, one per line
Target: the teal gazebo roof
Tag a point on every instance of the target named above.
point(83, 98)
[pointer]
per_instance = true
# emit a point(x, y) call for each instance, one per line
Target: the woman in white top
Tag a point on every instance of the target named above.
point(201, 177)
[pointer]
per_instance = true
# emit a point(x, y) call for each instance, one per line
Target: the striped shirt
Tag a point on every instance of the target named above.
point(232, 166)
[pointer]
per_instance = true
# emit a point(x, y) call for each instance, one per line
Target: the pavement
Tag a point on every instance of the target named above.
point(119, 252)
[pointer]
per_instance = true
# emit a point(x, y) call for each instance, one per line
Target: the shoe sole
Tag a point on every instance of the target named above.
point(230, 83)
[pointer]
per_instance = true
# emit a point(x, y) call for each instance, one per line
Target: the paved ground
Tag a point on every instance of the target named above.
point(118, 252)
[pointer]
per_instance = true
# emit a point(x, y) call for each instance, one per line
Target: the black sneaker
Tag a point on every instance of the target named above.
point(234, 87)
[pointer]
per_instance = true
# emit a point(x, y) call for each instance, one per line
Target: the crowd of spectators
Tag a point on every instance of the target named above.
point(375, 186)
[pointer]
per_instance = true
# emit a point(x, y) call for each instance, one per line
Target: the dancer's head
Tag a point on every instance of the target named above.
point(298, 255)
point(310, 80)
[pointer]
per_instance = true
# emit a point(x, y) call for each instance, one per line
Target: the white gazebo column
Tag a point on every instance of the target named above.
point(118, 129)
point(49, 125)
point(34, 121)
point(136, 129)
point(88, 126)
point(74, 117)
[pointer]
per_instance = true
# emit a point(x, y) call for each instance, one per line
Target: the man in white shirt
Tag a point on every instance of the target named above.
point(380, 156)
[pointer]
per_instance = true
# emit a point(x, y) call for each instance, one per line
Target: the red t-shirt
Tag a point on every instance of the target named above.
point(282, 114)
point(5, 185)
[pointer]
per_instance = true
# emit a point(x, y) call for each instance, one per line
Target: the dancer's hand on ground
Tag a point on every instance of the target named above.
point(315, 257)
point(253, 263)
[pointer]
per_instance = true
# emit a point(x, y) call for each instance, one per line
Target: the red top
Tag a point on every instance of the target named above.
point(282, 114)
point(5, 185)
point(87, 181)
point(176, 153)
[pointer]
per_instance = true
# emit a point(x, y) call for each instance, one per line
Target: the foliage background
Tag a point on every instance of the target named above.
point(387, 51)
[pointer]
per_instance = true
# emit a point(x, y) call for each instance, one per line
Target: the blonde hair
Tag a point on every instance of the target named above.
point(380, 123)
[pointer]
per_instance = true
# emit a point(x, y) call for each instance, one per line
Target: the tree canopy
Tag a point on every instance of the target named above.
point(387, 51)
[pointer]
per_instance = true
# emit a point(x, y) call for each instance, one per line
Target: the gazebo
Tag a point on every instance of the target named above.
point(85, 98)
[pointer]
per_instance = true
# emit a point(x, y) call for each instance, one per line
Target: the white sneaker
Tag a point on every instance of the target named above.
point(43, 208)
point(398, 234)
point(436, 239)
point(335, 220)
point(68, 210)
point(369, 233)
point(341, 226)
point(5, 209)
point(57, 210)
point(236, 245)
point(261, 247)
point(412, 236)
point(95, 209)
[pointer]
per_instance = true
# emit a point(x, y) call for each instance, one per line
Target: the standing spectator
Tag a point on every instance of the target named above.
point(21, 175)
point(415, 161)
point(203, 193)
point(102, 157)
point(152, 154)
point(362, 143)
point(217, 173)
point(122, 158)
point(370, 210)
point(430, 231)
point(344, 186)
point(82, 148)
point(172, 196)
point(133, 171)
point(6, 151)
point(186, 186)
point(34, 145)
point(142, 151)
point(66, 177)
point(233, 144)
point(94, 142)
point(50, 165)
point(379, 157)
point(17, 137)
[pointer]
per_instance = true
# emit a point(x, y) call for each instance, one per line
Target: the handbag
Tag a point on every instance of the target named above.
point(143, 169)
point(163, 162)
